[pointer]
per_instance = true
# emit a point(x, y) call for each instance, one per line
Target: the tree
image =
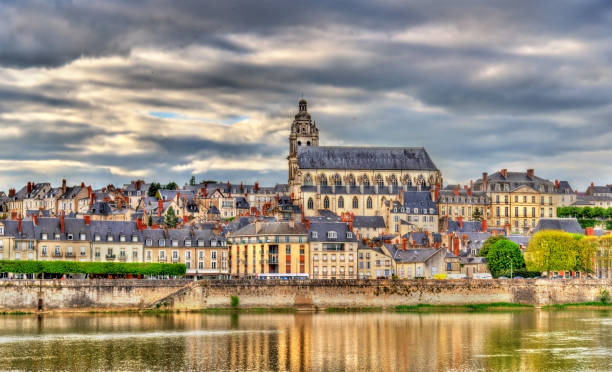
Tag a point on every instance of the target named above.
point(484, 250)
point(150, 221)
point(477, 214)
point(153, 187)
point(192, 181)
point(504, 256)
point(552, 251)
point(171, 218)
point(586, 249)
point(171, 186)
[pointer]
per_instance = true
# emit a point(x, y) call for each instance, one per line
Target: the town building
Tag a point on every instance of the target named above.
point(333, 250)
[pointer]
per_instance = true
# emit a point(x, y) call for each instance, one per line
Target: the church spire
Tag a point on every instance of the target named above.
point(302, 105)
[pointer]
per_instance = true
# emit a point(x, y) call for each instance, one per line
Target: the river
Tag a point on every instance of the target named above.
point(532, 340)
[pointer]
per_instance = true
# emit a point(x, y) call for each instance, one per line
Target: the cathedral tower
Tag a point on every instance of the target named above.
point(304, 133)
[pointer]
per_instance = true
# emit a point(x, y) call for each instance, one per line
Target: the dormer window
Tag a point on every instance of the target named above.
point(43, 236)
point(175, 243)
point(349, 235)
point(332, 235)
point(82, 236)
point(162, 242)
point(187, 243)
point(70, 237)
point(200, 243)
point(122, 238)
point(149, 242)
point(213, 243)
point(109, 238)
point(97, 237)
point(314, 235)
point(57, 236)
point(134, 238)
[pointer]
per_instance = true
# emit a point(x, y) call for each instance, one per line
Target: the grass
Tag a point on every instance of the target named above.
point(353, 309)
point(494, 306)
point(578, 305)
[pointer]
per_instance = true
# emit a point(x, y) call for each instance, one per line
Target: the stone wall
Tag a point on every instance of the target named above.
point(138, 294)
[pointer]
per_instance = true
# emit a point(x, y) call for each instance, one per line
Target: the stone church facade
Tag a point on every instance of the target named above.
point(359, 180)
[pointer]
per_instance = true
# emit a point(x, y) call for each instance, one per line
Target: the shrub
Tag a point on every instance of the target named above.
point(92, 268)
point(604, 296)
point(235, 301)
point(484, 250)
point(504, 255)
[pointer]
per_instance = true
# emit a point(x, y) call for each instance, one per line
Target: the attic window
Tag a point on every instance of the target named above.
point(97, 237)
point(200, 243)
point(82, 236)
point(57, 236)
point(43, 236)
point(70, 237)
point(149, 242)
point(332, 235)
point(314, 235)
point(122, 238)
point(187, 243)
point(162, 242)
point(349, 235)
point(175, 243)
point(134, 238)
point(213, 243)
point(109, 238)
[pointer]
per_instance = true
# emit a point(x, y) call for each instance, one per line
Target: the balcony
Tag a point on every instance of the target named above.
point(57, 254)
point(161, 259)
point(69, 254)
point(123, 258)
point(175, 259)
point(110, 256)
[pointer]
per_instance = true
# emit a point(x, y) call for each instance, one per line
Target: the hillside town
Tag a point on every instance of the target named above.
point(345, 213)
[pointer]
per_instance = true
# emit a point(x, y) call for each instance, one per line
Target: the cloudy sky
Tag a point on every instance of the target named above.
point(111, 91)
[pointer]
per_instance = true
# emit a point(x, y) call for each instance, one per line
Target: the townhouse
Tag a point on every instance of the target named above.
point(333, 250)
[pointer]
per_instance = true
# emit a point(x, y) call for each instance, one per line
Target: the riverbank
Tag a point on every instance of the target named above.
point(313, 295)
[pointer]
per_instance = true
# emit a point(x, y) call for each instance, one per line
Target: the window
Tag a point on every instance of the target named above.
point(162, 254)
point(109, 238)
point(533, 199)
point(332, 235)
point(187, 243)
point(349, 235)
point(337, 180)
point(149, 242)
point(213, 255)
point(135, 254)
point(43, 236)
point(394, 181)
point(70, 237)
point(134, 238)
point(369, 203)
point(323, 180)
point(341, 202)
point(162, 242)
point(355, 202)
point(82, 237)
point(497, 198)
point(326, 203)
point(287, 249)
point(174, 243)
point(310, 203)
point(122, 238)
point(308, 180)
point(314, 235)
point(82, 251)
point(379, 181)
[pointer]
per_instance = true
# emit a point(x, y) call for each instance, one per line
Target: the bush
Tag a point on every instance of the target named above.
point(92, 268)
point(521, 272)
point(484, 250)
point(503, 256)
point(235, 301)
point(604, 296)
point(584, 222)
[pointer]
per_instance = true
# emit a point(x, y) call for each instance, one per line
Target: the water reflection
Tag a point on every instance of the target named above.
point(515, 341)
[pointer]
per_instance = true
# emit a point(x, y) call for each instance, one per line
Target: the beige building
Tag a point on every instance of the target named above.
point(374, 263)
point(269, 248)
point(417, 262)
point(62, 239)
point(351, 179)
point(457, 202)
point(116, 241)
point(333, 250)
point(518, 199)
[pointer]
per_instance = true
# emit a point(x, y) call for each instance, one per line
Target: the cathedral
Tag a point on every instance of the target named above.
point(360, 180)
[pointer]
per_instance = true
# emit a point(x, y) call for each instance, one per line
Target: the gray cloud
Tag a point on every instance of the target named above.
point(481, 84)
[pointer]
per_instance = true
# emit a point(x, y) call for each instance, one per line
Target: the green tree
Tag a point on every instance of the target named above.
point(171, 219)
point(171, 186)
point(551, 251)
point(192, 181)
point(586, 249)
point(486, 246)
point(153, 187)
point(504, 256)
point(477, 214)
point(150, 221)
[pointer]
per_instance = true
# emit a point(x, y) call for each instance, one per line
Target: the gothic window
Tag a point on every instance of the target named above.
point(379, 180)
point(307, 143)
point(323, 181)
point(326, 203)
point(337, 180)
point(355, 202)
point(308, 180)
point(341, 202)
point(351, 180)
point(299, 143)
point(409, 182)
point(393, 181)
point(369, 202)
point(310, 203)
point(365, 180)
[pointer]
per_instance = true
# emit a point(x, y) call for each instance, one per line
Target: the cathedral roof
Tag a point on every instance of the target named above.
point(371, 158)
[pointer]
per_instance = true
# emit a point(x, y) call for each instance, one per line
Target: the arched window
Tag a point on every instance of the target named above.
point(408, 182)
point(310, 203)
point(351, 180)
point(323, 180)
point(394, 181)
point(307, 143)
point(326, 203)
point(365, 180)
point(355, 202)
point(337, 180)
point(341, 202)
point(299, 143)
point(379, 180)
point(369, 202)
point(308, 180)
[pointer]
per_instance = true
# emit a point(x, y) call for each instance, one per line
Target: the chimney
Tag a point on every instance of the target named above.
point(307, 224)
point(469, 191)
point(160, 206)
point(456, 245)
point(404, 240)
point(12, 193)
point(256, 187)
point(35, 220)
point(557, 184)
point(29, 187)
point(92, 198)
point(471, 183)
point(530, 173)
point(89, 191)
point(483, 224)
point(19, 224)
point(291, 224)
point(432, 192)
point(589, 231)
point(87, 220)
point(504, 173)
point(456, 191)
point(82, 185)
point(63, 222)
point(484, 181)
point(592, 184)
point(13, 216)
point(460, 220)
point(64, 185)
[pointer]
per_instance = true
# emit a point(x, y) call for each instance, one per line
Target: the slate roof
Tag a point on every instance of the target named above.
point(570, 225)
point(468, 226)
point(410, 255)
point(51, 226)
point(355, 190)
point(418, 237)
point(71, 192)
point(514, 181)
point(383, 158)
point(273, 228)
point(114, 228)
point(100, 208)
point(372, 222)
point(180, 236)
point(11, 228)
point(519, 239)
point(322, 228)
point(420, 200)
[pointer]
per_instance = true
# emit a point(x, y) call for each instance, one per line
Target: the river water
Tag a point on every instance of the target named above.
point(530, 340)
